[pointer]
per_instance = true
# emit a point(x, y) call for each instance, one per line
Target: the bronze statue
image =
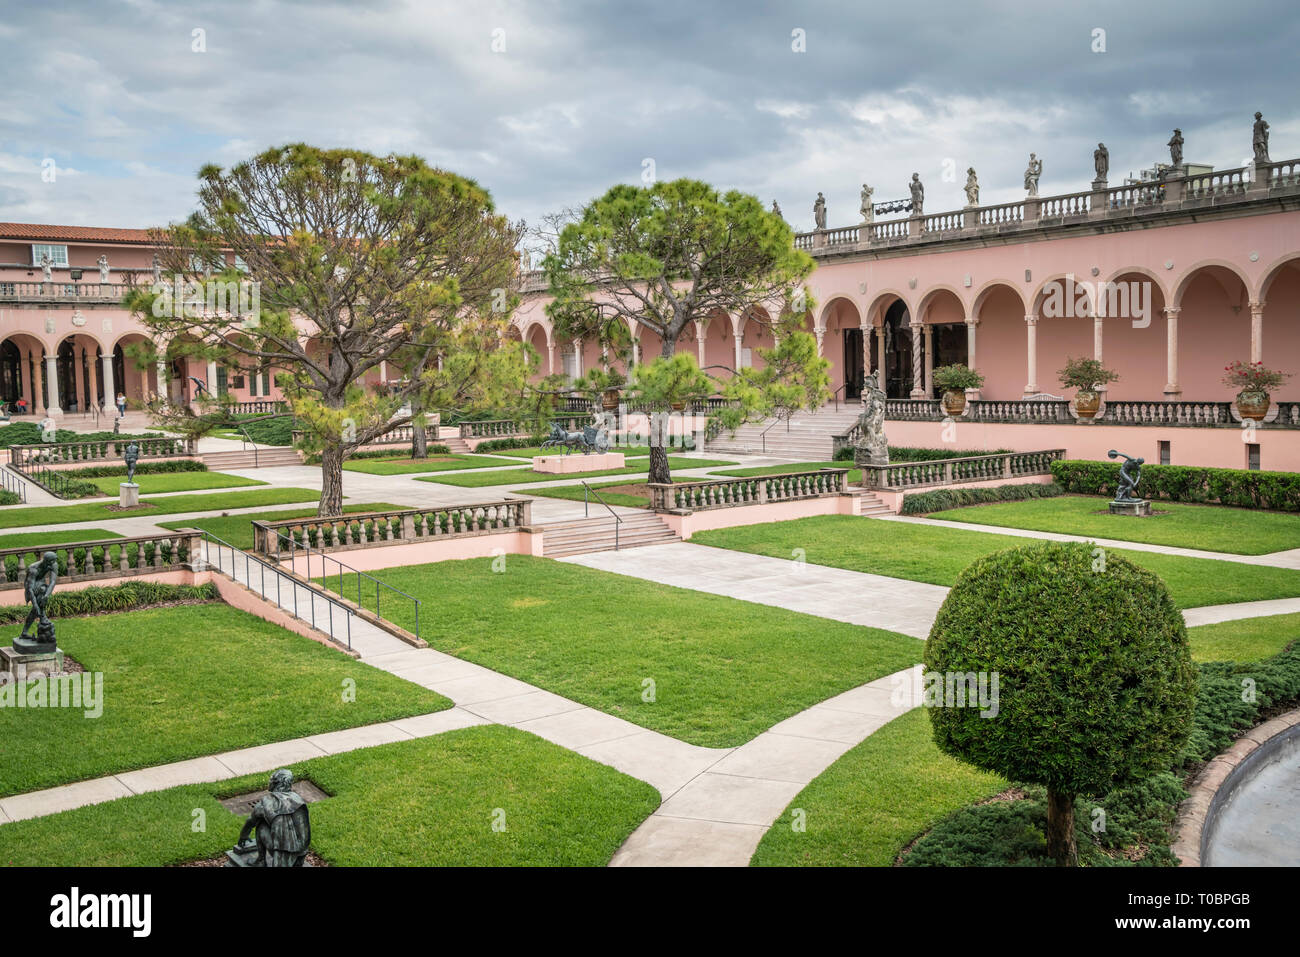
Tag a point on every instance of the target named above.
point(283, 827)
point(131, 456)
point(590, 439)
point(37, 588)
point(1130, 474)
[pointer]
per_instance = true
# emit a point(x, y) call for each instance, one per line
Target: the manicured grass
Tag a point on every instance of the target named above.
point(428, 802)
point(525, 476)
point(154, 482)
point(1246, 639)
point(237, 530)
point(931, 553)
point(18, 539)
point(723, 670)
point(634, 493)
point(99, 511)
point(404, 464)
point(188, 681)
point(855, 475)
point(871, 803)
point(1239, 531)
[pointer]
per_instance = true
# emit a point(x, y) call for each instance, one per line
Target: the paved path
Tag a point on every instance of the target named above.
point(876, 601)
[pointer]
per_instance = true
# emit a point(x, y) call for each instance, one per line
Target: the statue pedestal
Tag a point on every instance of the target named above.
point(20, 665)
point(1139, 506)
point(577, 462)
point(130, 497)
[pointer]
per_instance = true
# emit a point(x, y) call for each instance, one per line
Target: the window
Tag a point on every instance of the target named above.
point(240, 264)
point(1164, 453)
point(58, 254)
point(1252, 456)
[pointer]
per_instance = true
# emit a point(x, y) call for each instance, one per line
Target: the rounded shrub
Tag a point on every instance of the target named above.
point(1095, 682)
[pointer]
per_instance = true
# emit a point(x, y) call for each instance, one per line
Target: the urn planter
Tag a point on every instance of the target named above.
point(1253, 405)
point(1086, 403)
point(609, 400)
point(954, 402)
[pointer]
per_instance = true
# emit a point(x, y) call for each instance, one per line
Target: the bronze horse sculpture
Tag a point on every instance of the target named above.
point(590, 439)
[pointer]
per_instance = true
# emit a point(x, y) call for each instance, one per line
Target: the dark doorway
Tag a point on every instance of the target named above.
point(898, 351)
point(949, 344)
point(853, 363)
point(11, 373)
point(119, 371)
point(67, 370)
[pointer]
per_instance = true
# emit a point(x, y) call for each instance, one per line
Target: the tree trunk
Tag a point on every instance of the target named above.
point(1061, 846)
point(331, 490)
point(419, 438)
point(659, 471)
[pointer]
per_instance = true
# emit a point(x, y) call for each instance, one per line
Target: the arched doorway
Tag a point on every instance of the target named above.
point(898, 350)
point(66, 366)
point(11, 373)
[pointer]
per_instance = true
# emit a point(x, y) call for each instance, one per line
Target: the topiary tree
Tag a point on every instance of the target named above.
point(1095, 679)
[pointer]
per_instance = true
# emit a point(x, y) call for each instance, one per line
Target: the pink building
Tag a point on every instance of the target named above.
point(68, 345)
point(1165, 282)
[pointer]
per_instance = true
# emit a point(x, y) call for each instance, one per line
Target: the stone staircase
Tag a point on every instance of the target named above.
point(597, 534)
point(810, 435)
point(245, 459)
point(866, 503)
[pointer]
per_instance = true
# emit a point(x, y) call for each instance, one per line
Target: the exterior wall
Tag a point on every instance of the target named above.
point(522, 542)
point(1214, 448)
point(705, 519)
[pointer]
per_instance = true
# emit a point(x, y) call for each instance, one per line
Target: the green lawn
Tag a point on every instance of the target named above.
point(19, 539)
point(237, 530)
point(1246, 639)
point(723, 670)
point(871, 803)
point(99, 511)
point(428, 802)
point(525, 476)
point(154, 482)
point(188, 681)
point(931, 553)
point(404, 464)
point(1239, 531)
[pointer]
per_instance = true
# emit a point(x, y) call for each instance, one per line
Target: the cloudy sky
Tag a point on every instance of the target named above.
point(547, 103)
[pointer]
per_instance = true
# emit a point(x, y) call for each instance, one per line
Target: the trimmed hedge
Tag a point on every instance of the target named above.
point(29, 433)
point(268, 431)
point(903, 453)
point(142, 468)
point(1279, 491)
point(124, 597)
point(921, 503)
point(504, 445)
point(396, 451)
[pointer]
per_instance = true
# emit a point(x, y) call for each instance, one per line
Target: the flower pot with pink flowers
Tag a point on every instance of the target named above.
point(1253, 383)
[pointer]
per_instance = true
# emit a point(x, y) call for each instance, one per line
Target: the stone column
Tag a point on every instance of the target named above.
point(699, 347)
point(929, 361)
point(1172, 389)
point(212, 376)
point(918, 372)
point(880, 356)
point(550, 358)
point(52, 382)
point(163, 392)
point(866, 347)
point(1256, 330)
point(740, 334)
point(577, 358)
point(41, 399)
point(1031, 349)
point(820, 334)
point(92, 382)
point(110, 387)
point(636, 352)
point(1097, 345)
point(971, 360)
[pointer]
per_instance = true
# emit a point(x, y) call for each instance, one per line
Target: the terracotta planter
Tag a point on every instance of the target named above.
point(1087, 403)
point(609, 400)
point(677, 406)
point(954, 402)
point(1253, 405)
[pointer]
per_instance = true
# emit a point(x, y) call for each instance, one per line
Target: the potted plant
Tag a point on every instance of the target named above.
point(953, 381)
point(1253, 383)
point(607, 382)
point(1086, 375)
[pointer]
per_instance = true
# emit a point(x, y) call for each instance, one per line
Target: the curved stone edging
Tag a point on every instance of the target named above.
point(1217, 781)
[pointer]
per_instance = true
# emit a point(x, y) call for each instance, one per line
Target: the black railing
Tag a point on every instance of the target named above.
point(278, 577)
point(12, 483)
point(617, 521)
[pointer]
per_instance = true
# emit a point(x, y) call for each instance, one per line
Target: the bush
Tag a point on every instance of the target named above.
point(9, 498)
point(29, 433)
point(921, 503)
point(268, 431)
point(142, 468)
point(124, 597)
point(1279, 491)
point(503, 445)
point(1095, 675)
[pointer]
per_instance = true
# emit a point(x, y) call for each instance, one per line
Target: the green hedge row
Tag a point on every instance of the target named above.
point(9, 498)
point(504, 445)
point(903, 453)
point(124, 597)
point(1181, 483)
point(1005, 833)
point(28, 432)
point(920, 503)
point(396, 451)
point(142, 468)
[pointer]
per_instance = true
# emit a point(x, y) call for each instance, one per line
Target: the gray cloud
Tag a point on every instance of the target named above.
point(584, 92)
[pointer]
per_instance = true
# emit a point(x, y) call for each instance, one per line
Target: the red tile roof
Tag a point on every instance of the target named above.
point(82, 234)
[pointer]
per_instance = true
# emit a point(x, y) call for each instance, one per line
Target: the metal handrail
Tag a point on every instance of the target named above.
point(325, 575)
point(13, 482)
point(209, 539)
point(617, 521)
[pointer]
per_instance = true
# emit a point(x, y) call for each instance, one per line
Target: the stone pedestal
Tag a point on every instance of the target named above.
point(20, 666)
point(1137, 507)
point(577, 462)
point(130, 497)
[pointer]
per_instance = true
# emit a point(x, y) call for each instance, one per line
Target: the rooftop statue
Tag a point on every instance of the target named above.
point(776, 208)
point(1259, 139)
point(102, 261)
point(1101, 162)
point(1176, 148)
point(972, 188)
point(866, 208)
point(1032, 172)
point(918, 194)
point(819, 211)
point(283, 827)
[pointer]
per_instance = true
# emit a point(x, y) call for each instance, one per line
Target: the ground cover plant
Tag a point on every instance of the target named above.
point(171, 505)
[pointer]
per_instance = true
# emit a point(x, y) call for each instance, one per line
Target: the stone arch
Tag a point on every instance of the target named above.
point(990, 290)
point(22, 371)
point(1204, 267)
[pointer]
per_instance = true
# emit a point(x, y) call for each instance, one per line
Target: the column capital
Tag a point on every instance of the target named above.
point(1171, 312)
point(1031, 320)
point(972, 320)
point(1256, 306)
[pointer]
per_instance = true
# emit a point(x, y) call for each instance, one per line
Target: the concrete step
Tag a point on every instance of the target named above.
point(598, 534)
point(264, 458)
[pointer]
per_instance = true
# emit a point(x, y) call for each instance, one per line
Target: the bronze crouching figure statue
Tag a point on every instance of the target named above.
point(283, 829)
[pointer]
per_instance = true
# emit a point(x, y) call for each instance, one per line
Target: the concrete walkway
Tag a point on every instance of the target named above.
point(876, 601)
